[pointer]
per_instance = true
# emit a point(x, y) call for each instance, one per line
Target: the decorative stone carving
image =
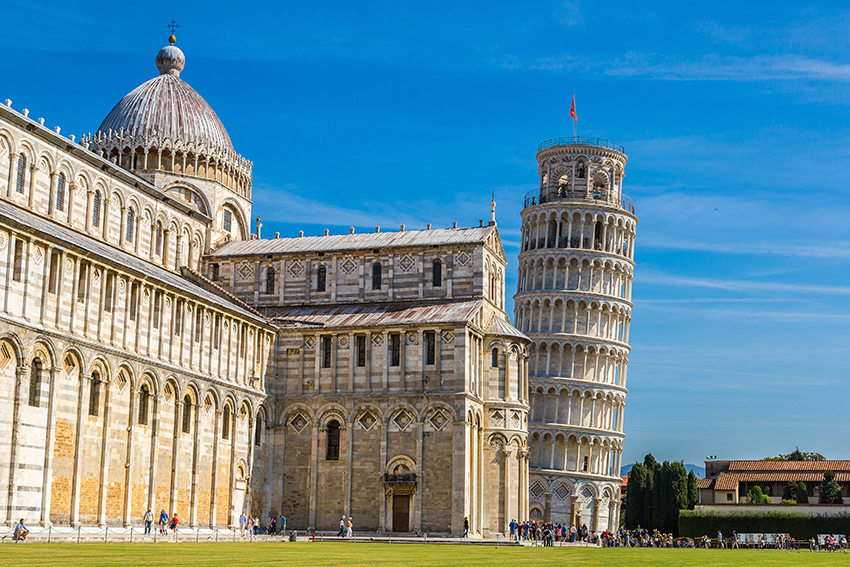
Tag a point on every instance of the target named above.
point(412, 338)
point(295, 268)
point(438, 419)
point(348, 265)
point(448, 337)
point(4, 240)
point(367, 421)
point(38, 255)
point(377, 340)
point(342, 342)
point(122, 285)
point(298, 423)
point(245, 270)
point(402, 419)
point(406, 263)
point(309, 342)
point(462, 258)
point(69, 266)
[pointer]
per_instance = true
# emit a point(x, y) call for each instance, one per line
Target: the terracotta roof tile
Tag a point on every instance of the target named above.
point(835, 466)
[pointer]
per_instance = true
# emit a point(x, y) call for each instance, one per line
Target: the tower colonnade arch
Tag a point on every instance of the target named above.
point(573, 300)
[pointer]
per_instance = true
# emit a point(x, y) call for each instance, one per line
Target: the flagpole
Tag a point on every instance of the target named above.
point(575, 118)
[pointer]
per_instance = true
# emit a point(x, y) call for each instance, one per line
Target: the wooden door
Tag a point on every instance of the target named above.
point(401, 513)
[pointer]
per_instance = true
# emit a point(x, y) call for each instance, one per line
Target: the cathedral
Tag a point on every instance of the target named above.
point(157, 353)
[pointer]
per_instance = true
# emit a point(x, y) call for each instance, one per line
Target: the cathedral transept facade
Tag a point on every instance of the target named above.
point(157, 354)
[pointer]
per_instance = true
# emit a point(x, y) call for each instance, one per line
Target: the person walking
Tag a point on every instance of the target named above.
point(466, 526)
point(256, 524)
point(174, 522)
point(350, 532)
point(163, 522)
point(282, 525)
point(148, 517)
point(341, 532)
point(243, 523)
point(273, 525)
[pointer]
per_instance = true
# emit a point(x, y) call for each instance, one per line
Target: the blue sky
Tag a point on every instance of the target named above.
point(734, 117)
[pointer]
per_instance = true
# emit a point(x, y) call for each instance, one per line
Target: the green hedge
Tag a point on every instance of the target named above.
point(693, 523)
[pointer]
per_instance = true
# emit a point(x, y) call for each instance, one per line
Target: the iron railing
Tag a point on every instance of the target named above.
point(535, 197)
point(577, 141)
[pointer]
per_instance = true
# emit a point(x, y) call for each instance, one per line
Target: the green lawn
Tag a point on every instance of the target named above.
point(376, 555)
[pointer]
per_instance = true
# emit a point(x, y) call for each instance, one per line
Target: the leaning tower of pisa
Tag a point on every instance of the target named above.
point(574, 300)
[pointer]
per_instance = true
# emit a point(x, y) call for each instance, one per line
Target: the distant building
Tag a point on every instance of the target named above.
point(731, 481)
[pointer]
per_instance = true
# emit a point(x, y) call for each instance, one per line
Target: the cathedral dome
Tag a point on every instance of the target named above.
point(167, 108)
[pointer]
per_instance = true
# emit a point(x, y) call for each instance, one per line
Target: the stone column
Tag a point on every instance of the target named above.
point(132, 419)
point(349, 439)
point(31, 196)
point(45, 279)
point(104, 454)
point(71, 189)
point(314, 466)
point(47, 482)
point(214, 467)
point(13, 167)
point(12, 498)
point(193, 498)
point(89, 209)
point(51, 199)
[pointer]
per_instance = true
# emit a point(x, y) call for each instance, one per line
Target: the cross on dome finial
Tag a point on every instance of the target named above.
point(173, 27)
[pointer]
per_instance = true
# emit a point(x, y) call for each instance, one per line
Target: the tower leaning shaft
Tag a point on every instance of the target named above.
point(573, 299)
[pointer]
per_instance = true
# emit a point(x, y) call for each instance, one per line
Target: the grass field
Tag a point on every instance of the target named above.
point(377, 555)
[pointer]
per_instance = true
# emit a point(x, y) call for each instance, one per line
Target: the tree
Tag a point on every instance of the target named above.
point(693, 491)
point(635, 494)
point(756, 496)
point(789, 495)
point(802, 493)
point(652, 466)
point(797, 455)
point(830, 490)
point(678, 496)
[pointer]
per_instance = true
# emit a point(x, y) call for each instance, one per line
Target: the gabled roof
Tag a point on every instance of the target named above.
point(498, 326)
point(363, 241)
point(375, 314)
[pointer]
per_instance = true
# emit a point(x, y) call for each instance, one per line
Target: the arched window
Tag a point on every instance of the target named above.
point(94, 394)
point(225, 423)
point(95, 209)
point(35, 382)
point(22, 168)
point(270, 277)
point(144, 397)
point(376, 276)
point(333, 441)
point(187, 414)
point(158, 240)
point(437, 273)
point(495, 361)
point(131, 218)
point(258, 430)
point(60, 192)
point(322, 279)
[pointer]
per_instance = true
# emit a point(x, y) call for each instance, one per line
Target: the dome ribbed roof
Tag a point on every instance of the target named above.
point(166, 106)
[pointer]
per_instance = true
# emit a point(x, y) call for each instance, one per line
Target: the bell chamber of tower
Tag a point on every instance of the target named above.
point(573, 300)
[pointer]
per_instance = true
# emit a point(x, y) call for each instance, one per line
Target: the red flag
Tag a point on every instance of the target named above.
point(573, 108)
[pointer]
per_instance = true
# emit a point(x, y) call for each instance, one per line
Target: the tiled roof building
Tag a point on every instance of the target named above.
point(731, 481)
